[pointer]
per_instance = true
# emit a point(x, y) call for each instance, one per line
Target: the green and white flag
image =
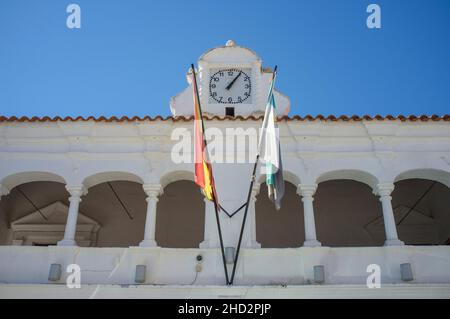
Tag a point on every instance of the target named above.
point(269, 151)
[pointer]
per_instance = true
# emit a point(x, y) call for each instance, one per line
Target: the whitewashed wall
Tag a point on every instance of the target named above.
point(89, 153)
point(30, 265)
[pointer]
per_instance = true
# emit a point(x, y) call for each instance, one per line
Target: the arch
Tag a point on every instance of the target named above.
point(32, 193)
point(110, 176)
point(118, 204)
point(17, 179)
point(437, 175)
point(174, 176)
point(116, 200)
point(283, 228)
point(288, 176)
point(346, 211)
point(349, 174)
point(180, 217)
point(420, 201)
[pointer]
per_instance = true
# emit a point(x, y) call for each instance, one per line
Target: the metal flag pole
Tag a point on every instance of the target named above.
point(221, 244)
point(253, 177)
point(219, 229)
point(244, 219)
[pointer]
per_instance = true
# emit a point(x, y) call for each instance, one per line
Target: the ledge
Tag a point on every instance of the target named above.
point(387, 291)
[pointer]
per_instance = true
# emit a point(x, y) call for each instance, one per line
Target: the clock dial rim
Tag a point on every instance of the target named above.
point(226, 70)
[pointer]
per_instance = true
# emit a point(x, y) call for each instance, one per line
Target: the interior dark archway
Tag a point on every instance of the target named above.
point(422, 212)
point(24, 200)
point(347, 213)
point(119, 207)
point(180, 217)
point(112, 214)
point(283, 228)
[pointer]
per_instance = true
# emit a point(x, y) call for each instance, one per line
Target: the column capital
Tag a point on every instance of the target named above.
point(3, 190)
point(384, 189)
point(306, 190)
point(152, 190)
point(76, 190)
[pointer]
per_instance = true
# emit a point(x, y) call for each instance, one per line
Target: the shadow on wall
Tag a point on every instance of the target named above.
point(347, 213)
point(30, 199)
point(112, 214)
point(180, 217)
point(283, 228)
point(343, 209)
point(120, 208)
point(422, 212)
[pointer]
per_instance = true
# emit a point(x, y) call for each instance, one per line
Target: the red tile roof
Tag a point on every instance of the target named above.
point(344, 118)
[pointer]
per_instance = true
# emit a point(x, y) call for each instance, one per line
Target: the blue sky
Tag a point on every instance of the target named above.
point(130, 57)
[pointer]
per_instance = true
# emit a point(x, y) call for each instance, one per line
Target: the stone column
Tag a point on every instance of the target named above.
point(384, 191)
point(75, 191)
point(251, 219)
point(307, 192)
point(152, 191)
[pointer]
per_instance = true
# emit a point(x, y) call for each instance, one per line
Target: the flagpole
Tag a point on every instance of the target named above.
point(221, 244)
point(244, 219)
point(219, 229)
point(247, 205)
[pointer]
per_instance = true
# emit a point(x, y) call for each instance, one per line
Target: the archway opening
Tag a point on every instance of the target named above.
point(180, 218)
point(283, 228)
point(119, 208)
point(348, 214)
point(422, 211)
point(32, 214)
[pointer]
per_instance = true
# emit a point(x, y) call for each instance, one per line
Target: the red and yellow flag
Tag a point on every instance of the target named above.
point(203, 170)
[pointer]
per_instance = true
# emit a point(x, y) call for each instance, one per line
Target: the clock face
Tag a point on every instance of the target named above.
point(230, 86)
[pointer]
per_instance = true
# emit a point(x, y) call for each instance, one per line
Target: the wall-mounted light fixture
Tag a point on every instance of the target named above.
point(139, 277)
point(54, 273)
point(319, 274)
point(406, 272)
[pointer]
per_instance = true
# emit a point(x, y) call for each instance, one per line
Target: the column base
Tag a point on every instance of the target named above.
point(208, 244)
point(148, 243)
point(204, 244)
point(67, 242)
point(312, 243)
point(253, 244)
point(394, 242)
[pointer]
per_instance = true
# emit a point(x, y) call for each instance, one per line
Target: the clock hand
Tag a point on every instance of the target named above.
point(228, 87)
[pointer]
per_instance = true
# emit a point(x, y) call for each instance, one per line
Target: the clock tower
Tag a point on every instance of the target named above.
point(232, 82)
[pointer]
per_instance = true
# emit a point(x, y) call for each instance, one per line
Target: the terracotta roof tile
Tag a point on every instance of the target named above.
point(332, 118)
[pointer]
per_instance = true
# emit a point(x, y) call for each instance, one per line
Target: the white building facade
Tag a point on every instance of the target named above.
point(107, 195)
